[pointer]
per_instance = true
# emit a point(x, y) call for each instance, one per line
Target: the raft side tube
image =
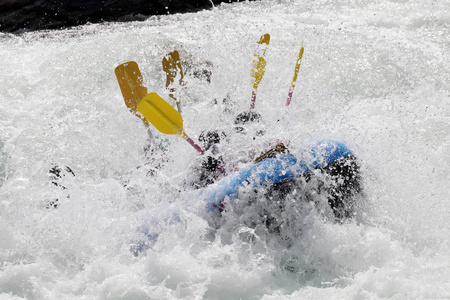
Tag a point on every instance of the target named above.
point(273, 170)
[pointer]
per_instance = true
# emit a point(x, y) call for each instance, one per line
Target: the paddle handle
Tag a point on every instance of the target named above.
point(289, 98)
point(193, 144)
point(252, 103)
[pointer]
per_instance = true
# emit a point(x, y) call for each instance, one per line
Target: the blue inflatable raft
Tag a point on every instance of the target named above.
point(272, 171)
point(208, 202)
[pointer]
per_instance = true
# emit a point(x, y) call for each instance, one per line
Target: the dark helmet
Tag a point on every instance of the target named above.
point(246, 118)
point(57, 172)
point(210, 138)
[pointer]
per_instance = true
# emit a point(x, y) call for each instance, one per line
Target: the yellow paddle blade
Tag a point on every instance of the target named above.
point(161, 114)
point(294, 78)
point(259, 63)
point(297, 65)
point(130, 82)
point(172, 67)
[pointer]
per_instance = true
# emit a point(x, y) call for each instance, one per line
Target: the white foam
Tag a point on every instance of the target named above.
point(375, 75)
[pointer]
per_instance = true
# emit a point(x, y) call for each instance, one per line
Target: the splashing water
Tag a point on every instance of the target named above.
point(375, 75)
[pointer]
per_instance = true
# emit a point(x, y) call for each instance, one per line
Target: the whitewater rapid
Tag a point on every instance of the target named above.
point(375, 75)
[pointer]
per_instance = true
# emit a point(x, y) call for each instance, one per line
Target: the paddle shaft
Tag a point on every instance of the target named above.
point(252, 104)
point(193, 144)
point(290, 93)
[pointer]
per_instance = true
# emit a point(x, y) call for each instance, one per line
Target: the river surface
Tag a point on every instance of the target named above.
point(375, 75)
